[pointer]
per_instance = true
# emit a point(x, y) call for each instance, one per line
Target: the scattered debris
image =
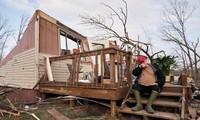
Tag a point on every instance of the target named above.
point(192, 112)
point(7, 107)
point(14, 113)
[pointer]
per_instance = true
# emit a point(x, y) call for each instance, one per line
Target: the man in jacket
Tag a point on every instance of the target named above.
point(149, 79)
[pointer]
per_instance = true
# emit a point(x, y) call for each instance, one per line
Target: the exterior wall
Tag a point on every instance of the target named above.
point(48, 42)
point(20, 71)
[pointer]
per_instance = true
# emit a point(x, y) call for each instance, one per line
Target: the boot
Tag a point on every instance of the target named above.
point(138, 100)
point(151, 99)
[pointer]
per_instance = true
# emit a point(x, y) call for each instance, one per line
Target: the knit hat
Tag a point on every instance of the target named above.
point(141, 59)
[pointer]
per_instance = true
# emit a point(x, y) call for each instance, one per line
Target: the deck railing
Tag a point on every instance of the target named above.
point(109, 67)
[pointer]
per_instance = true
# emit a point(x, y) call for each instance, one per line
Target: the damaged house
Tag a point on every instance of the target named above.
point(52, 58)
point(40, 63)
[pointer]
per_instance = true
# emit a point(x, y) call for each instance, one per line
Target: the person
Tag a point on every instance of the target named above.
point(149, 79)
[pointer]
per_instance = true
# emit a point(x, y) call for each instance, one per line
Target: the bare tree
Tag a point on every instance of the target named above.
point(5, 32)
point(106, 24)
point(174, 30)
point(22, 26)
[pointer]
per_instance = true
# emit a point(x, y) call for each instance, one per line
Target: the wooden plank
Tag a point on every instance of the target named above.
point(49, 72)
point(118, 72)
point(168, 85)
point(45, 16)
point(128, 67)
point(112, 69)
point(113, 108)
point(78, 68)
point(84, 91)
point(102, 67)
point(158, 102)
point(57, 115)
point(96, 68)
point(183, 104)
point(73, 72)
point(174, 94)
point(72, 103)
point(162, 115)
point(121, 69)
point(87, 53)
point(166, 93)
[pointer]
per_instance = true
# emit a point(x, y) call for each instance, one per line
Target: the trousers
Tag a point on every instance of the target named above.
point(146, 89)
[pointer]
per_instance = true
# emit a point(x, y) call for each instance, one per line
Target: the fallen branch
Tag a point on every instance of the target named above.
point(9, 108)
point(11, 113)
point(32, 114)
point(11, 105)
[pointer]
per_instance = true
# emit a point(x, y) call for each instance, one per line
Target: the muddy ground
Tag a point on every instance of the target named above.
point(83, 110)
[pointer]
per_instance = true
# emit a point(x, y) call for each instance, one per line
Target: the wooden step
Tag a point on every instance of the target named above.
point(173, 94)
point(161, 115)
point(174, 88)
point(158, 102)
point(168, 94)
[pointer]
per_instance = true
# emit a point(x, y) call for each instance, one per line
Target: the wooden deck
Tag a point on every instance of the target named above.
point(108, 83)
point(106, 92)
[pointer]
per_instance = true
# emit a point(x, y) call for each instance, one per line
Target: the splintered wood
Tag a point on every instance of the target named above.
point(15, 113)
point(7, 106)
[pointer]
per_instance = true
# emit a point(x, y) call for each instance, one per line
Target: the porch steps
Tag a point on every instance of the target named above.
point(157, 114)
point(167, 105)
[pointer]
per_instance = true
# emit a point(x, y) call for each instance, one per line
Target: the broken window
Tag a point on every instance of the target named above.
point(68, 44)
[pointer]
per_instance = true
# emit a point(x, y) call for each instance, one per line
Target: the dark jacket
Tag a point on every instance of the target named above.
point(159, 75)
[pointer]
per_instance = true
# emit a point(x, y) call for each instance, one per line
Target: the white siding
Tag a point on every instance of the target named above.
point(20, 70)
point(60, 70)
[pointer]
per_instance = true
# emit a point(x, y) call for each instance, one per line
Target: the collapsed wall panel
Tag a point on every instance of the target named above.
point(18, 68)
point(20, 71)
point(61, 70)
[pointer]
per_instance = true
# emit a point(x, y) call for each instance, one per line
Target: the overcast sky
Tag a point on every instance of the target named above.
point(142, 15)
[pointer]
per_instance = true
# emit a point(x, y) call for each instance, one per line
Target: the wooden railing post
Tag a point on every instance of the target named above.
point(184, 84)
point(102, 67)
point(129, 67)
point(113, 108)
point(96, 68)
point(112, 68)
